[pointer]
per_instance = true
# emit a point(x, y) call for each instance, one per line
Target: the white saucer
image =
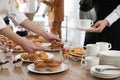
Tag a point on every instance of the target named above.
point(107, 74)
point(84, 29)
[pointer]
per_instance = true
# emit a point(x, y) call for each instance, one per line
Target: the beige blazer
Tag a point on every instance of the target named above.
point(56, 10)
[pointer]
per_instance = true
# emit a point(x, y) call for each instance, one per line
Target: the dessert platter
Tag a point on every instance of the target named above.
point(76, 53)
point(29, 57)
point(47, 67)
point(17, 49)
point(107, 73)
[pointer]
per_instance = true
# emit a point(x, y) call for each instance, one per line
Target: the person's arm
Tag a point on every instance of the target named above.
point(114, 16)
point(109, 20)
point(22, 20)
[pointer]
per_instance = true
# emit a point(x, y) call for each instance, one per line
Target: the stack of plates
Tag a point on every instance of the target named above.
point(106, 74)
point(111, 57)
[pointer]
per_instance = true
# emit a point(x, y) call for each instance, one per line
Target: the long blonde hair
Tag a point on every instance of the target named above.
point(16, 4)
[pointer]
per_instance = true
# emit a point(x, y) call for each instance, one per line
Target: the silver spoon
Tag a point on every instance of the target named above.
point(103, 69)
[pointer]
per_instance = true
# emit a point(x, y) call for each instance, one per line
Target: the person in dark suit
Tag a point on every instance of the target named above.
point(108, 32)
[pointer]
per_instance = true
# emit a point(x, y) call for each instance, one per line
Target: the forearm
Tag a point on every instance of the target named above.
point(11, 35)
point(34, 28)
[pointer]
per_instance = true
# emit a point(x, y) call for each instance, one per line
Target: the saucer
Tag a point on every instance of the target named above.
point(107, 74)
point(84, 29)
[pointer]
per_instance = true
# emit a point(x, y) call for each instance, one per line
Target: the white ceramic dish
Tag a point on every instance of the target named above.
point(45, 45)
point(84, 29)
point(51, 50)
point(50, 56)
point(107, 74)
point(62, 68)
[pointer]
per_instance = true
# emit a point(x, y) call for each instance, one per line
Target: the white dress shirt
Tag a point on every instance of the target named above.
point(29, 6)
point(7, 8)
point(114, 16)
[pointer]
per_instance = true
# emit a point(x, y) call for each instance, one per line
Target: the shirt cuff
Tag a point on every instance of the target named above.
point(20, 17)
point(111, 19)
point(2, 23)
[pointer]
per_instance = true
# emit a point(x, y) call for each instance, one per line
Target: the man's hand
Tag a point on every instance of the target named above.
point(99, 26)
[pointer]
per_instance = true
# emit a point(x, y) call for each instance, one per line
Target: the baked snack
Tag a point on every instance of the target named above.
point(40, 65)
point(78, 52)
point(18, 47)
point(33, 57)
point(56, 45)
point(25, 56)
point(42, 55)
point(54, 66)
point(18, 62)
point(48, 61)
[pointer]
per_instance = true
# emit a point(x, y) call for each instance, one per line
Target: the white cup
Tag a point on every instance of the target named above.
point(86, 23)
point(89, 61)
point(92, 49)
point(104, 45)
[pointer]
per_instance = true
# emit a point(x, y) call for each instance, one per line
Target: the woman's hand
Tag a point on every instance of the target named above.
point(29, 46)
point(99, 26)
point(52, 38)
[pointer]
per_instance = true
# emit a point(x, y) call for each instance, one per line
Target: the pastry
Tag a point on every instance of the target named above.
point(33, 57)
point(18, 62)
point(43, 55)
point(54, 66)
point(25, 56)
point(40, 65)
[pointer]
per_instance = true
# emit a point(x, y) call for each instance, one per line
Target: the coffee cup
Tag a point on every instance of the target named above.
point(89, 61)
point(104, 45)
point(86, 23)
point(92, 49)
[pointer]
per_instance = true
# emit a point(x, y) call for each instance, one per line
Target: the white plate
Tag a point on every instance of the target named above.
point(18, 51)
point(45, 45)
point(51, 50)
point(62, 68)
point(50, 56)
point(105, 74)
point(110, 53)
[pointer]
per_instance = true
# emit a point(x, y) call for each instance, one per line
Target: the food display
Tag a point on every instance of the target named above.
point(76, 53)
point(47, 65)
point(34, 56)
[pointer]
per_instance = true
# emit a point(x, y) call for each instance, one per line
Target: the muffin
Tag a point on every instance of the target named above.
point(48, 61)
point(40, 65)
point(33, 57)
point(54, 66)
point(25, 56)
point(42, 55)
point(18, 62)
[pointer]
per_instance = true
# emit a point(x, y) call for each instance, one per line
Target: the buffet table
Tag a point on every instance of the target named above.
point(74, 72)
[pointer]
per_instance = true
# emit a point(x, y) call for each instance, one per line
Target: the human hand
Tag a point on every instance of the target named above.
point(99, 26)
point(52, 38)
point(29, 46)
